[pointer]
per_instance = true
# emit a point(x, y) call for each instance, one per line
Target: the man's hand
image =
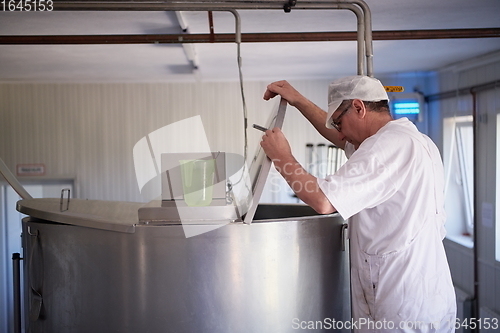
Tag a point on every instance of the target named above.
point(302, 183)
point(285, 90)
point(275, 145)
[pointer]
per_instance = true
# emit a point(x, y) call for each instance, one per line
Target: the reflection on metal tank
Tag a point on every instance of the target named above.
point(278, 274)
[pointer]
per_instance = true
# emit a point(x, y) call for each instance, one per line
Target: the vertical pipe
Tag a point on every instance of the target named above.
point(366, 17)
point(368, 36)
point(211, 26)
point(475, 306)
point(237, 33)
point(16, 258)
point(361, 38)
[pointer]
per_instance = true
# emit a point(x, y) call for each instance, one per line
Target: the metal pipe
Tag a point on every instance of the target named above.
point(361, 26)
point(367, 16)
point(165, 6)
point(463, 91)
point(248, 37)
point(16, 271)
point(363, 16)
point(237, 31)
point(368, 36)
point(211, 25)
point(361, 37)
point(475, 163)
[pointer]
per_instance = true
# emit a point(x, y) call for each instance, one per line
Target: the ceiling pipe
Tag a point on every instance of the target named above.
point(367, 16)
point(268, 37)
point(138, 5)
point(363, 16)
point(360, 37)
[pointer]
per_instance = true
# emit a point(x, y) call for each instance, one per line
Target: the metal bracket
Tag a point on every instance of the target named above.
point(287, 7)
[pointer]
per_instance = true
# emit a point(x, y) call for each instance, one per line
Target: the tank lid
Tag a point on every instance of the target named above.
point(107, 215)
point(261, 164)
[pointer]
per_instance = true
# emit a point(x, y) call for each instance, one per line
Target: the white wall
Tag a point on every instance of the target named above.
point(87, 131)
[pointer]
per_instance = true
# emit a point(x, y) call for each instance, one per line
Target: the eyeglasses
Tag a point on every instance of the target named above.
point(336, 122)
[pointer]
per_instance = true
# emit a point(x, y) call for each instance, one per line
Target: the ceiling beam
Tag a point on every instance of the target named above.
point(247, 37)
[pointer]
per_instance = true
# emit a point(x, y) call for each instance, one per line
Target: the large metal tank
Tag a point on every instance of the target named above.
point(283, 272)
point(232, 266)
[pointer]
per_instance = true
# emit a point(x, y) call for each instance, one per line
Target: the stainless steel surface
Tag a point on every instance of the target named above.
point(107, 215)
point(172, 215)
point(285, 267)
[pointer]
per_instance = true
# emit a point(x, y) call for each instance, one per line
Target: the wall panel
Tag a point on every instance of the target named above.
point(87, 131)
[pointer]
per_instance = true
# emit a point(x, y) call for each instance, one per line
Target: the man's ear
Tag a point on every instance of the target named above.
point(360, 108)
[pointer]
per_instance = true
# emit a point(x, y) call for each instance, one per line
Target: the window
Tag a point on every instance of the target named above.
point(465, 150)
point(458, 155)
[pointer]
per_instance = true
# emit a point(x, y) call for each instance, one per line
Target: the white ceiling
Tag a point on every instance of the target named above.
point(261, 61)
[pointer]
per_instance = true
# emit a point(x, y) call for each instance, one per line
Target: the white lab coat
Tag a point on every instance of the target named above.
point(392, 188)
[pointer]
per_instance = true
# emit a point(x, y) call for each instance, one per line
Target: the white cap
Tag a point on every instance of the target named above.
point(361, 87)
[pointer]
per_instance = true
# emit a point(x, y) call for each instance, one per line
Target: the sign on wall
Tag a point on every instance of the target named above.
point(30, 169)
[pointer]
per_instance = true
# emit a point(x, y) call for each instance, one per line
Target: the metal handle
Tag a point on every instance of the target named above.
point(16, 272)
point(62, 200)
point(345, 236)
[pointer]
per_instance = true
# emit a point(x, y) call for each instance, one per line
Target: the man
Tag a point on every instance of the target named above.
point(391, 188)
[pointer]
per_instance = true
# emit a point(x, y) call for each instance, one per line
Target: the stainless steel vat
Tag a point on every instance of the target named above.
point(285, 270)
point(98, 266)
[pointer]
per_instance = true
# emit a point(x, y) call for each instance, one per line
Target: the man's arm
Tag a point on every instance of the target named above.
point(314, 114)
point(302, 183)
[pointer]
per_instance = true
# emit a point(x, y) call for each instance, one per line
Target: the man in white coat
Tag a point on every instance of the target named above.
point(391, 188)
